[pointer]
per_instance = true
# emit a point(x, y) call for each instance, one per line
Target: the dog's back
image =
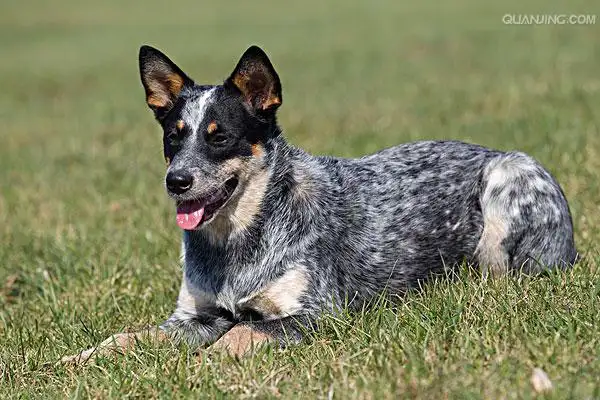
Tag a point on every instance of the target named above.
point(440, 203)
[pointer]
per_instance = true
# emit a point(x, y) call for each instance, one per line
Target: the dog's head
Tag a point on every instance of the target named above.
point(214, 136)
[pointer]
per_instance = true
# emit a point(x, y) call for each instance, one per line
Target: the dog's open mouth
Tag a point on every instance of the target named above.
point(193, 213)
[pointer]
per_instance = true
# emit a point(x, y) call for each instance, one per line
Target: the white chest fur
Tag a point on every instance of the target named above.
point(276, 299)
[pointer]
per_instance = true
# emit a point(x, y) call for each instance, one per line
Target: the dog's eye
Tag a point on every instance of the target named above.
point(217, 138)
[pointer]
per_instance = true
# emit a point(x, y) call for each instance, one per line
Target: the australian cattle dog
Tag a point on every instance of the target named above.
point(273, 236)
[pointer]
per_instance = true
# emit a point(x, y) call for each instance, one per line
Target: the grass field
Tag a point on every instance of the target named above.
point(88, 240)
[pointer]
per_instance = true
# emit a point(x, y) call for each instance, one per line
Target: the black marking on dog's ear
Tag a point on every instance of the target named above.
point(255, 77)
point(162, 80)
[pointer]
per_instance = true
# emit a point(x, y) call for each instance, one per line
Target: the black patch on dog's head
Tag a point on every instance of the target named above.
point(238, 119)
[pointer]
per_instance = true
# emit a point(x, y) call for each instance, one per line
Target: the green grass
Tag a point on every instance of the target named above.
point(88, 241)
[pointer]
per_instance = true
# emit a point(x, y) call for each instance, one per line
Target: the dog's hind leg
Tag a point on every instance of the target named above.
point(527, 223)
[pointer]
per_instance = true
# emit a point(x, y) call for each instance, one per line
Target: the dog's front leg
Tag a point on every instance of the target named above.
point(199, 328)
point(119, 343)
point(194, 329)
point(248, 335)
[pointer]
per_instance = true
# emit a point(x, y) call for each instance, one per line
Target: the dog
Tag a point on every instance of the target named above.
point(273, 237)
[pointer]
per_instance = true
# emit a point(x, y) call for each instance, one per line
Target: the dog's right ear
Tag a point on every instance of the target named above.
point(255, 78)
point(162, 80)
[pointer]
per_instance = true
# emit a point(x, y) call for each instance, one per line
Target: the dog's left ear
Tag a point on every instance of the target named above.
point(256, 79)
point(162, 80)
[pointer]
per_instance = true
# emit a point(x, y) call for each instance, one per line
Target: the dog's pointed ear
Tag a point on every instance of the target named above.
point(256, 79)
point(162, 80)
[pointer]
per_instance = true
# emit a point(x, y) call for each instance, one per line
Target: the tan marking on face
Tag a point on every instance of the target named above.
point(257, 150)
point(241, 210)
point(245, 208)
point(212, 127)
point(180, 125)
point(168, 161)
point(240, 340)
point(281, 297)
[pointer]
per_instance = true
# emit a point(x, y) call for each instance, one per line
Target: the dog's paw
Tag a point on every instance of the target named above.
point(116, 344)
point(119, 343)
point(79, 358)
point(240, 340)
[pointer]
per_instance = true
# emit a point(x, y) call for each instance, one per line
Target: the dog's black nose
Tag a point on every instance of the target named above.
point(179, 182)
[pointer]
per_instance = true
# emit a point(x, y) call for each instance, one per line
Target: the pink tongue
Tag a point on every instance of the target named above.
point(189, 215)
